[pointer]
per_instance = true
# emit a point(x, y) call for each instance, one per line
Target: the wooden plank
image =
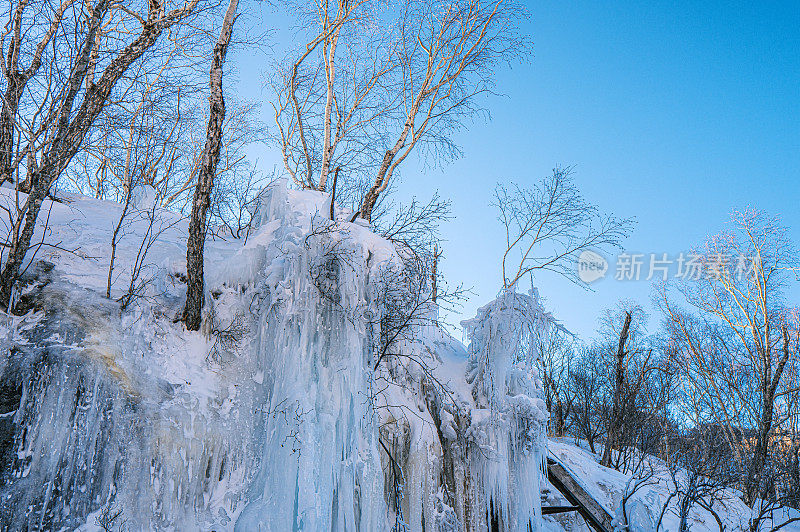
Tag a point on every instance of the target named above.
point(550, 510)
point(592, 511)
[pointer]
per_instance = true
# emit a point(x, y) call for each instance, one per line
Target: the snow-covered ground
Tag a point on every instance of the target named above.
point(644, 508)
point(274, 415)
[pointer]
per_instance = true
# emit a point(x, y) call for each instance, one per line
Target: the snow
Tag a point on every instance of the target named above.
point(608, 487)
point(272, 417)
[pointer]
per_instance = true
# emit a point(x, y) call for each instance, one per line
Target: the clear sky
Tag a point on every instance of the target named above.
point(671, 112)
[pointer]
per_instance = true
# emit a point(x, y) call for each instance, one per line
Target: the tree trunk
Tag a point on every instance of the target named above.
point(19, 247)
point(434, 274)
point(559, 430)
point(16, 81)
point(330, 72)
point(371, 197)
point(7, 118)
point(205, 179)
point(388, 165)
point(590, 441)
point(755, 470)
point(332, 200)
point(616, 413)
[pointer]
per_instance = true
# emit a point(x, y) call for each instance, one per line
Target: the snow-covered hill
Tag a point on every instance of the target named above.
point(651, 500)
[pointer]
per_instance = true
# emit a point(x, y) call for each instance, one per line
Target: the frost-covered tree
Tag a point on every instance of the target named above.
point(509, 429)
point(546, 228)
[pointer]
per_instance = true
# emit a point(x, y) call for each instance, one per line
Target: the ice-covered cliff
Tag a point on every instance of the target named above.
point(319, 395)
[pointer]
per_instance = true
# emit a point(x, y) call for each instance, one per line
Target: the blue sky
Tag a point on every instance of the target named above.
point(671, 112)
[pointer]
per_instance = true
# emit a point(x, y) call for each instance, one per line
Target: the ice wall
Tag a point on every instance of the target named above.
point(115, 418)
point(286, 412)
point(320, 467)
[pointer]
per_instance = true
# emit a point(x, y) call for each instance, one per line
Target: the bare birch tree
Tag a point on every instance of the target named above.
point(327, 95)
point(60, 64)
point(446, 59)
point(192, 312)
point(548, 226)
point(376, 82)
point(738, 340)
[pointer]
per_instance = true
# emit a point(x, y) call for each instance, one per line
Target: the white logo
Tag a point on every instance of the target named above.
point(591, 266)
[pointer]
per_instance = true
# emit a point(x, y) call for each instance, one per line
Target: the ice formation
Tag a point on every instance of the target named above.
point(297, 407)
point(510, 432)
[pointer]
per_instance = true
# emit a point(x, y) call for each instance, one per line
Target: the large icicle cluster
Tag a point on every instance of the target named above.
point(320, 468)
point(116, 419)
point(508, 429)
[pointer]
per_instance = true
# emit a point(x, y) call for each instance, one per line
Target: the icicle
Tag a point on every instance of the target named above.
point(509, 442)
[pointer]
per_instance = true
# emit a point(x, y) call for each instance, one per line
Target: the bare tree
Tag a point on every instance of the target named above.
point(155, 224)
point(117, 234)
point(738, 343)
point(615, 423)
point(589, 389)
point(377, 81)
point(414, 230)
point(326, 96)
point(192, 312)
point(697, 466)
point(547, 227)
point(85, 51)
point(644, 476)
point(234, 199)
point(555, 350)
point(637, 388)
point(148, 137)
point(445, 59)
